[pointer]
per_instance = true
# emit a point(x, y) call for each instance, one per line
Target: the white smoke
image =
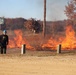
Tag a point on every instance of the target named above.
point(55, 10)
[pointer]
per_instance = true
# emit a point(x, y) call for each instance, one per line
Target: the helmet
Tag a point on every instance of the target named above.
point(4, 31)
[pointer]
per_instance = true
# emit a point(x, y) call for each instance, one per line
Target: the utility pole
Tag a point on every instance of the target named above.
point(44, 22)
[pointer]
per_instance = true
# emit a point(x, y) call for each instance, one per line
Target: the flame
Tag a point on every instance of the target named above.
point(67, 42)
point(70, 40)
point(18, 40)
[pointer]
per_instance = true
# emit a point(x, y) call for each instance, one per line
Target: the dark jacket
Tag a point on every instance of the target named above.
point(4, 40)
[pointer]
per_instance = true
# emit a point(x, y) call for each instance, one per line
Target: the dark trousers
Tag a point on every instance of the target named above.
point(3, 50)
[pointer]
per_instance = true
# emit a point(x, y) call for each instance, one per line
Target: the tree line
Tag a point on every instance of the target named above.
point(21, 23)
point(37, 25)
point(33, 25)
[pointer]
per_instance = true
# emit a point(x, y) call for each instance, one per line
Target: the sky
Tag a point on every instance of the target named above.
point(33, 9)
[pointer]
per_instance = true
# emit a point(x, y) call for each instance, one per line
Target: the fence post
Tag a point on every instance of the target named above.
point(59, 48)
point(23, 49)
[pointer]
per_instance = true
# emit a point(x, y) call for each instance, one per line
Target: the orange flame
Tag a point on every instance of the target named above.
point(67, 42)
point(18, 40)
point(70, 41)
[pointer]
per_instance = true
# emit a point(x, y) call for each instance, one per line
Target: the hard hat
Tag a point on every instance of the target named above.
point(4, 31)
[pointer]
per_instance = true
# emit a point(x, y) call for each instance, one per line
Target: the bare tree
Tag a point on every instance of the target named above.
point(70, 11)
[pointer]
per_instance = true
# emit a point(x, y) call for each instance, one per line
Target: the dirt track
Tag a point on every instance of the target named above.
point(34, 65)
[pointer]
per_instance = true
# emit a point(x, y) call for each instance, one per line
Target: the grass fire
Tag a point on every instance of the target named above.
point(18, 40)
point(36, 41)
point(37, 37)
point(68, 41)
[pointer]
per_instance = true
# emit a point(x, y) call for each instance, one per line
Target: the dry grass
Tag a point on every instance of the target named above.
point(39, 53)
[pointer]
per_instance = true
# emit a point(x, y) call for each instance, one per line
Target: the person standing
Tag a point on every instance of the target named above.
point(4, 42)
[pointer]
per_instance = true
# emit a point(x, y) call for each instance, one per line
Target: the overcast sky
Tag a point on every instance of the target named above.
point(33, 9)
